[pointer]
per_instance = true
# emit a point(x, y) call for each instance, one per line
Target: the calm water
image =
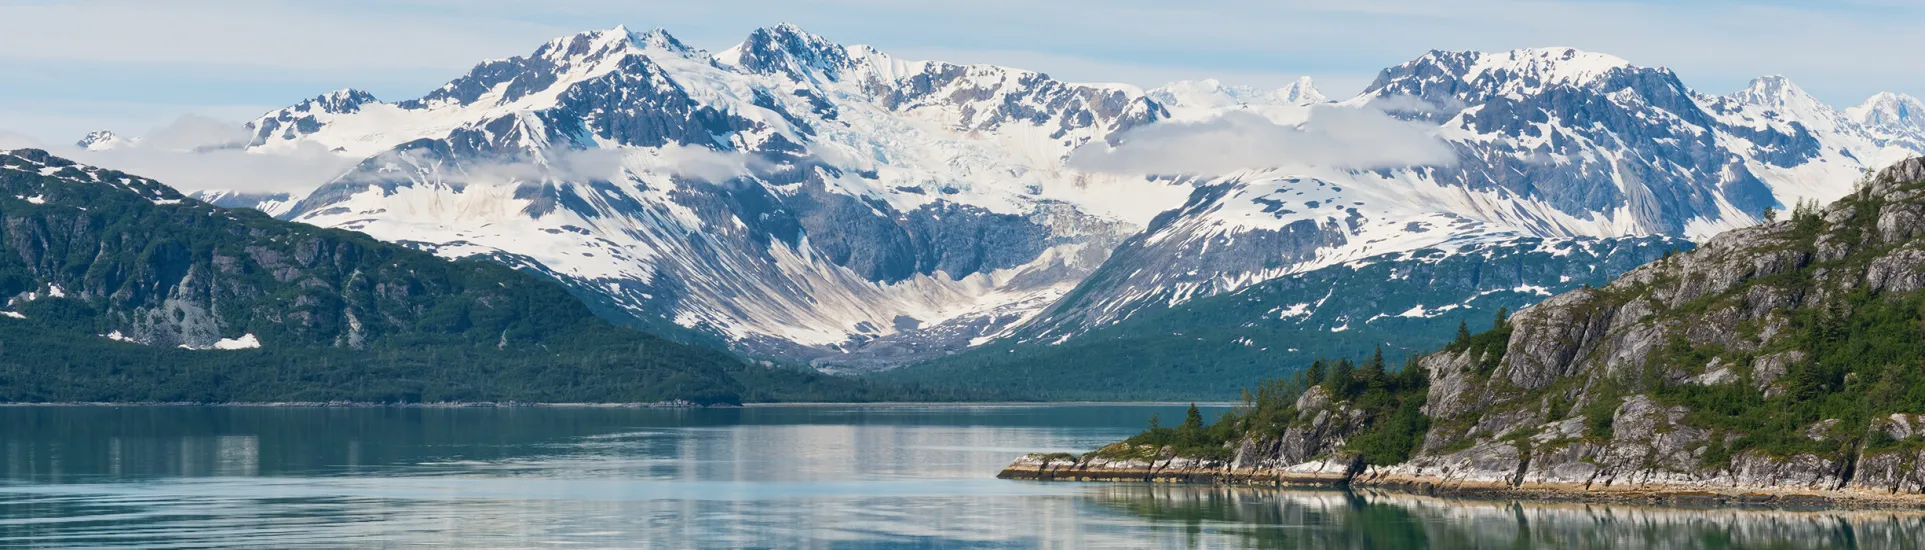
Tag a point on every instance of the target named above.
point(812, 477)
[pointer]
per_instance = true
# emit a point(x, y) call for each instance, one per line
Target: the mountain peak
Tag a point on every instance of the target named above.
point(1778, 94)
point(101, 140)
point(1304, 90)
point(788, 31)
point(342, 101)
point(1551, 65)
point(1771, 89)
point(1890, 110)
point(590, 46)
point(656, 39)
point(1471, 74)
point(787, 48)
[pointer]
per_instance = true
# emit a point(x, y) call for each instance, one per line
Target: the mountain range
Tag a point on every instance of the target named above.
point(117, 288)
point(801, 200)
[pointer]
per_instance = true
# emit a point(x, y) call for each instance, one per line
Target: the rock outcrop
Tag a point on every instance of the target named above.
point(1772, 364)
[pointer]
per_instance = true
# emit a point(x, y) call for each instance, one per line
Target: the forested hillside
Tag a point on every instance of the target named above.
point(117, 288)
point(1210, 348)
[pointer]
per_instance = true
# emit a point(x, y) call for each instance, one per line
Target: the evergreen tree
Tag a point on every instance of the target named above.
point(1191, 432)
point(1375, 371)
point(1315, 375)
point(1340, 379)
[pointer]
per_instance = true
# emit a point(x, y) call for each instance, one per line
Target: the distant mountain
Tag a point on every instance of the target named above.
point(1210, 97)
point(1898, 119)
point(810, 201)
point(274, 204)
point(1404, 304)
point(117, 288)
point(102, 140)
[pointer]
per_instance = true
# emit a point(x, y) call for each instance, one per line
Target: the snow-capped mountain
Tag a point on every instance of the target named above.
point(274, 204)
point(796, 196)
point(808, 200)
point(1554, 143)
point(1897, 118)
point(1205, 98)
point(102, 140)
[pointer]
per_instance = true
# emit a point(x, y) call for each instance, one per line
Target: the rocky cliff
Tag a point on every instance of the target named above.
point(1779, 362)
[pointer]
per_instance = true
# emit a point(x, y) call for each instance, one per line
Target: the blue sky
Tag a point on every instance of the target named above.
point(77, 65)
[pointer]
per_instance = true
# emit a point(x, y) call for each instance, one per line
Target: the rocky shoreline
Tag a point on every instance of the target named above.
point(1399, 479)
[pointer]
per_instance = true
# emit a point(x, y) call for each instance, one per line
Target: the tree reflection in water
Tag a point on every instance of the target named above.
point(1271, 518)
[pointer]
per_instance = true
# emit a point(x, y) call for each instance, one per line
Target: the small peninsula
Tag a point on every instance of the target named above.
point(1777, 364)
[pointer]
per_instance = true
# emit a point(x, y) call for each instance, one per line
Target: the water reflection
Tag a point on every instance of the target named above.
point(1267, 518)
point(836, 477)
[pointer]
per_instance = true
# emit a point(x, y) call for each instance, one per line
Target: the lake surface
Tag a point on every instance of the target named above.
point(784, 477)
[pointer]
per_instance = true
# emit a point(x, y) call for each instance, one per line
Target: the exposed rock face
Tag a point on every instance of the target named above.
point(1578, 350)
point(1584, 399)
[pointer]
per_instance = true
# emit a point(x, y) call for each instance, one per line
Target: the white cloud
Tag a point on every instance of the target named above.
point(232, 169)
point(195, 153)
point(1414, 105)
point(11, 140)
point(708, 164)
point(1344, 138)
point(592, 164)
point(195, 132)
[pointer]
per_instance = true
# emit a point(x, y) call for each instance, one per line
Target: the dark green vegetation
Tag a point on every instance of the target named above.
point(1392, 402)
point(86, 252)
point(1863, 351)
point(1801, 338)
point(1852, 351)
point(1211, 348)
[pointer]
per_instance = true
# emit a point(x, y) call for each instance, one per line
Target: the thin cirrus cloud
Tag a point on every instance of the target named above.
point(1332, 137)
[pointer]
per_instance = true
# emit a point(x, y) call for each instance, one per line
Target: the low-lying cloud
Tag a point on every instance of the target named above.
point(198, 153)
point(1336, 137)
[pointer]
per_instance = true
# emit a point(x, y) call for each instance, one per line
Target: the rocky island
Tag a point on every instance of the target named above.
point(1778, 364)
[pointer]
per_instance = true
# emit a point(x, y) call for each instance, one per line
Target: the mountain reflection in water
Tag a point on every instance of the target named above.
point(760, 477)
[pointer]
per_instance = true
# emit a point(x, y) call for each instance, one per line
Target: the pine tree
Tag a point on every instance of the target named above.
point(1191, 431)
point(1340, 379)
point(1376, 371)
point(1503, 316)
point(1463, 336)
